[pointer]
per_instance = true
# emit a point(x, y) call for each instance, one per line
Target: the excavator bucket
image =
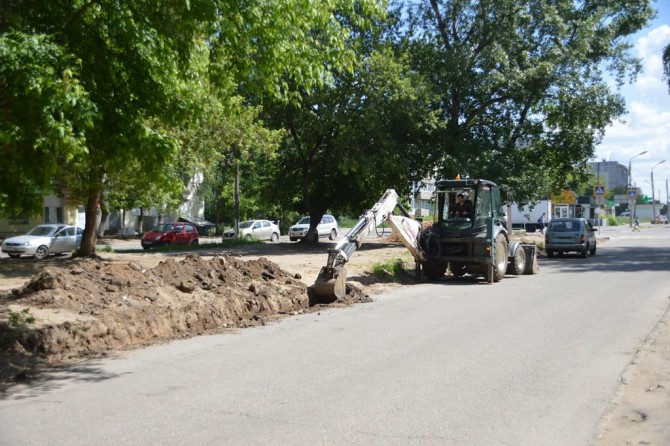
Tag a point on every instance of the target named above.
point(331, 284)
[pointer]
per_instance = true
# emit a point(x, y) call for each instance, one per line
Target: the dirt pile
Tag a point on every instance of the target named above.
point(85, 308)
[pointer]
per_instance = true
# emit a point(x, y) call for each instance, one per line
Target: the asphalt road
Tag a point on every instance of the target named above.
point(532, 360)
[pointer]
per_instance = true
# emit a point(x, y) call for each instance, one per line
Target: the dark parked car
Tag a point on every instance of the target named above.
point(570, 234)
point(178, 233)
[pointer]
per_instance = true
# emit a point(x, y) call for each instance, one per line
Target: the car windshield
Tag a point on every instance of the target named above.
point(163, 228)
point(246, 224)
point(42, 230)
point(303, 221)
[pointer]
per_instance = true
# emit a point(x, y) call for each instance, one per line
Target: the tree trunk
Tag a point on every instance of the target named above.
point(312, 235)
point(90, 231)
point(104, 218)
point(140, 224)
point(237, 198)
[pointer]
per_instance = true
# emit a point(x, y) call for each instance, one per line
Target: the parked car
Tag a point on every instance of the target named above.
point(178, 233)
point(43, 240)
point(256, 229)
point(659, 220)
point(570, 234)
point(327, 227)
point(625, 214)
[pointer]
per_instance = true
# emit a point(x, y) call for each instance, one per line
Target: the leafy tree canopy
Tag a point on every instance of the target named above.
point(521, 83)
point(121, 76)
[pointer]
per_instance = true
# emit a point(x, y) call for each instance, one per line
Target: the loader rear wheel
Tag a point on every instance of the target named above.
point(518, 263)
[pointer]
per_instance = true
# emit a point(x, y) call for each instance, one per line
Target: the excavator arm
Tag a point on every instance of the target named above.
point(331, 282)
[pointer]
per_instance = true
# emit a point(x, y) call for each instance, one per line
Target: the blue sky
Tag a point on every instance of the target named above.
point(646, 126)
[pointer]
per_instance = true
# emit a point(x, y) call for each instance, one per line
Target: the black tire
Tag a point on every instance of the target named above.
point(14, 255)
point(458, 269)
point(333, 234)
point(593, 250)
point(274, 238)
point(42, 252)
point(195, 242)
point(293, 239)
point(500, 260)
point(247, 237)
point(585, 252)
point(518, 263)
point(433, 250)
point(434, 271)
point(550, 254)
point(146, 248)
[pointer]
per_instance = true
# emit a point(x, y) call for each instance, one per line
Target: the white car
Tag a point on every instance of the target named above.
point(255, 229)
point(327, 227)
point(43, 240)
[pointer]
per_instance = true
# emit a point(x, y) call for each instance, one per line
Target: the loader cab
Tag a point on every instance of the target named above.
point(481, 201)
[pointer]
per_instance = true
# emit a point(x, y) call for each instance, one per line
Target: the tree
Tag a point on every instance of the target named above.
point(133, 62)
point(666, 65)
point(44, 112)
point(351, 140)
point(521, 83)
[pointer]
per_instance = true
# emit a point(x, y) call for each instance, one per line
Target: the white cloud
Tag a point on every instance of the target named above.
point(646, 126)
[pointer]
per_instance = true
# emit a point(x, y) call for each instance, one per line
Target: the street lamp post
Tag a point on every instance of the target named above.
point(630, 183)
point(653, 196)
point(667, 200)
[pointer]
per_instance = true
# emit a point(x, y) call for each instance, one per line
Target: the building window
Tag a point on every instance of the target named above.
point(59, 215)
point(46, 215)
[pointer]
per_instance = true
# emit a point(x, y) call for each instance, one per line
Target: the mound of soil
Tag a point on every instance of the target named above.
point(88, 307)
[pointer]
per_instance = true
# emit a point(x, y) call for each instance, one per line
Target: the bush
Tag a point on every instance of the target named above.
point(612, 221)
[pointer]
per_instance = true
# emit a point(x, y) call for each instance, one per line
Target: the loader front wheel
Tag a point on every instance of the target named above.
point(434, 271)
point(499, 269)
point(458, 269)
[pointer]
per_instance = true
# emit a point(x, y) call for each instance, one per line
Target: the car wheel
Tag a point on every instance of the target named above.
point(333, 234)
point(146, 248)
point(247, 237)
point(195, 242)
point(550, 254)
point(585, 252)
point(274, 238)
point(593, 250)
point(14, 255)
point(293, 239)
point(518, 263)
point(42, 252)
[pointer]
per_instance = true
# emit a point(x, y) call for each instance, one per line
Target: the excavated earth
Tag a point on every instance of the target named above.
point(79, 308)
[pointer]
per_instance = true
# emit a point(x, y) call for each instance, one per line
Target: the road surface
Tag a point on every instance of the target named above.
point(532, 360)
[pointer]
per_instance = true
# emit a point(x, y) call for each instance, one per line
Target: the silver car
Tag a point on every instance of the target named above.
point(327, 227)
point(43, 240)
point(570, 234)
point(255, 229)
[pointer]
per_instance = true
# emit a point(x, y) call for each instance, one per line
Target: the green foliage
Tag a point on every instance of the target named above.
point(350, 141)
point(21, 319)
point(521, 84)
point(123, 80)
point(666, 65)
point(44, 113)
point(612, 220)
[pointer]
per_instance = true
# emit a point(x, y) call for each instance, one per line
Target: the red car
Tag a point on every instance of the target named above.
point(171, 234)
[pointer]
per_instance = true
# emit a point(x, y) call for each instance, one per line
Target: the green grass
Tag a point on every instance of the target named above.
point(393, 268)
